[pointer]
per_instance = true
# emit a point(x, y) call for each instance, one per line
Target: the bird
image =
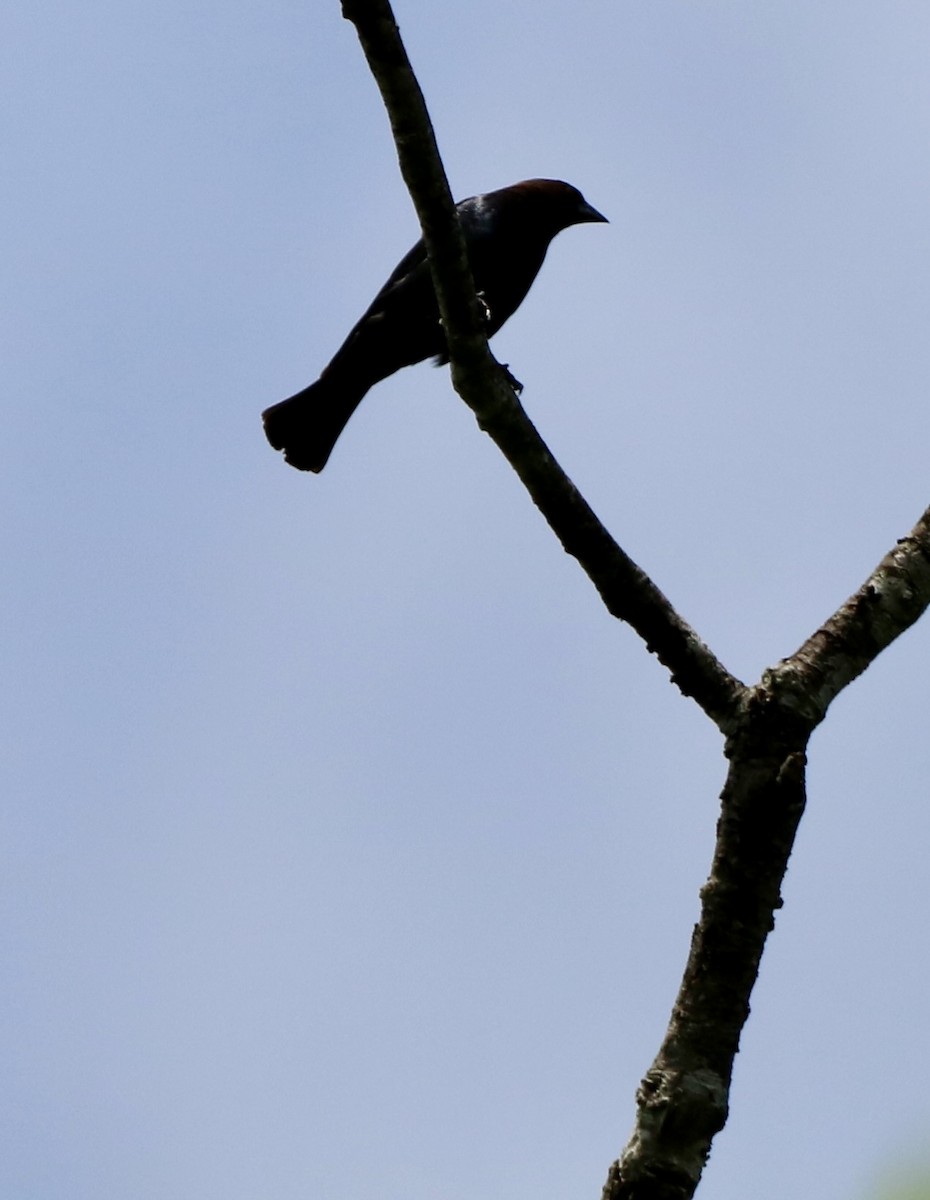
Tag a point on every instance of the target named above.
point(507, 233)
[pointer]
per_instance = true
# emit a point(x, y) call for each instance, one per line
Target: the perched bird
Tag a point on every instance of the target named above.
point(507, 233)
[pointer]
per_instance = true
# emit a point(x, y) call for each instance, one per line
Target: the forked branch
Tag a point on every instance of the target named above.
point(684, 1097)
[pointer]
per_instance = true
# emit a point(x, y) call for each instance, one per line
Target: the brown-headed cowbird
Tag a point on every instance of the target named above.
point(507, 234)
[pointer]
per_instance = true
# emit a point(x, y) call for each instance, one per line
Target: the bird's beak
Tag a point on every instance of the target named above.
point(587, 213)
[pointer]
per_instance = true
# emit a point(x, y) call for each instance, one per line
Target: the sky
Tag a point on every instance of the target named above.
point(349, 847)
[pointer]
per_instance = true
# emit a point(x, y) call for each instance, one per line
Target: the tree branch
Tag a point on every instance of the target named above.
point(683, 1099)
point(682, 1102)
point(626, 590)
point(893, 597)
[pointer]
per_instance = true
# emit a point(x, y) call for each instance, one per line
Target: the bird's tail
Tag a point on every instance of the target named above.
point(307, 425)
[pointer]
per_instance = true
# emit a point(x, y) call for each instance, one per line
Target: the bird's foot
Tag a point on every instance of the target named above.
point(511, 379)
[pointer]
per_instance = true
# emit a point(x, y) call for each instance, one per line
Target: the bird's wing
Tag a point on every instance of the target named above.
point(407, 302)
point(412, 266)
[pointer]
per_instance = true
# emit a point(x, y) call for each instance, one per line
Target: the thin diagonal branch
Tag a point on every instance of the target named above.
point(894, 596)
point(625, 589)
point(424, 175)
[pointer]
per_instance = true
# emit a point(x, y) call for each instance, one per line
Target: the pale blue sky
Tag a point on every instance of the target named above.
point(350, 849)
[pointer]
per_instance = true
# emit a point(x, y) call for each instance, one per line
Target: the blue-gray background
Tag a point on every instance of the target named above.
point(350, 849)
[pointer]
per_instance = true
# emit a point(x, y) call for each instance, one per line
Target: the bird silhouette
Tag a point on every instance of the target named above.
point(507, 234)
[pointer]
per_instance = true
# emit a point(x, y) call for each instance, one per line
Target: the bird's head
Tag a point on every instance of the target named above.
point(555, 203)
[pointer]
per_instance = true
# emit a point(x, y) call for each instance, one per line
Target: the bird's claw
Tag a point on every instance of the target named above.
point(511, 379)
